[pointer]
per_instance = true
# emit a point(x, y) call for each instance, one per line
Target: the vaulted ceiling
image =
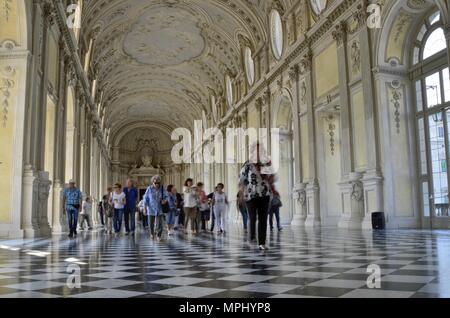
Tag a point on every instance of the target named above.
point(159, 60)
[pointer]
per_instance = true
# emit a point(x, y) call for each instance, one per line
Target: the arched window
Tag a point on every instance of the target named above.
point(249, 65)
point(432, 99)
point(430, 39)
point(276, 34)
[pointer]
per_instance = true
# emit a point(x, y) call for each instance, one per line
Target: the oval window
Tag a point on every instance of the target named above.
point(249, 65)
point(229, 90)
point(276, 30)
point(318, 6)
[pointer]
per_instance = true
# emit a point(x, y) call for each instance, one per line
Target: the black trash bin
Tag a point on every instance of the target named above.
point(378, 221)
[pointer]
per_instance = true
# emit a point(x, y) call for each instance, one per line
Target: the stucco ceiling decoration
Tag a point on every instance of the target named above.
point(159, 60)
point(165, 36)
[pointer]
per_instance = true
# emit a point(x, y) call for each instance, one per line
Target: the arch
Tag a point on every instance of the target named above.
point(398, 29)
point(282, 111)
point(282, 119)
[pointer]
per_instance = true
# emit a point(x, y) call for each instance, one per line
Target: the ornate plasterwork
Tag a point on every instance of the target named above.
point(355, 57)
point(7, 8)
point(6, 84)
point(165, 36)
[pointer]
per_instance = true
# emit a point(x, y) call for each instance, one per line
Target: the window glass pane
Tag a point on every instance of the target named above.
point(446, 77)
point(419, 101)
point(435, 43)
point(422, 32)
point(422, 146)
point(425, 200)
point(276, 29)
point(435, 17)
point(438, 161)
point(249, 65)
point(416, 55)
point(433, 89)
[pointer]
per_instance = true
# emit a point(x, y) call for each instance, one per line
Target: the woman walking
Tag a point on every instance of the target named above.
point(119, 201)
point(220, 203)
point(255, 180)
point(190, 205)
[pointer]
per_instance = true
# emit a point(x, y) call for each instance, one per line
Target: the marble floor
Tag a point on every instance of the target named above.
point(300, 263)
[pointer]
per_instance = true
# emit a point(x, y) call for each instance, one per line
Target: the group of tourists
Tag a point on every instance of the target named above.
point(165, 210)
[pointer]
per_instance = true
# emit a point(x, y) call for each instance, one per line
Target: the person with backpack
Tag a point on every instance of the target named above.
point(255, 181)
point(156, 202)
point(275, 205)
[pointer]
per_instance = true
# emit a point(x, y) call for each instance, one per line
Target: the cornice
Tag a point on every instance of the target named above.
point(300, 49)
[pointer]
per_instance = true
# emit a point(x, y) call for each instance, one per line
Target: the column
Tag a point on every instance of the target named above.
point(351, 214)
point(300, 212)
point(372, 179)
point(312, 187)
point(59, 163)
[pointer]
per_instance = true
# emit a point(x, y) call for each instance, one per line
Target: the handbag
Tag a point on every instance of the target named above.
point(165, 207)
point(276, 202)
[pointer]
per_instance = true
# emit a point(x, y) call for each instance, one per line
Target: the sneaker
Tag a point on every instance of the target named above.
point(152, 237)
point(280, 229)
point(263, 248)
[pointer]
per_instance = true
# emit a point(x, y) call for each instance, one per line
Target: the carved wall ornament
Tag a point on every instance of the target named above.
point(331, 129)
point(355, 56)
point(340, 33)
point(7, 8)
point(306, 63)
point(302, 198)
point(395, 101)
point(357, 193)
point(360, 17)
point(5, 86)
point(303, 91)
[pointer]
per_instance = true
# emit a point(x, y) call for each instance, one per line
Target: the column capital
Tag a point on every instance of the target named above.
point(340, 33)
point(360, 16)
point(294, 72)
point(306, 63)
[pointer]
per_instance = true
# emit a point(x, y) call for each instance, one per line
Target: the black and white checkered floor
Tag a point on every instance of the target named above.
point(299, 263)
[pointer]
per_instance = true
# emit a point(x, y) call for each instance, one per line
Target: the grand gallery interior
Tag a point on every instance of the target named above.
point(92, 91)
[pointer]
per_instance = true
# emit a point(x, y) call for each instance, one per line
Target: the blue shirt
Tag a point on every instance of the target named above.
point(172, 202)
point(72, 197)
point(131, 196)
point(153, 198)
